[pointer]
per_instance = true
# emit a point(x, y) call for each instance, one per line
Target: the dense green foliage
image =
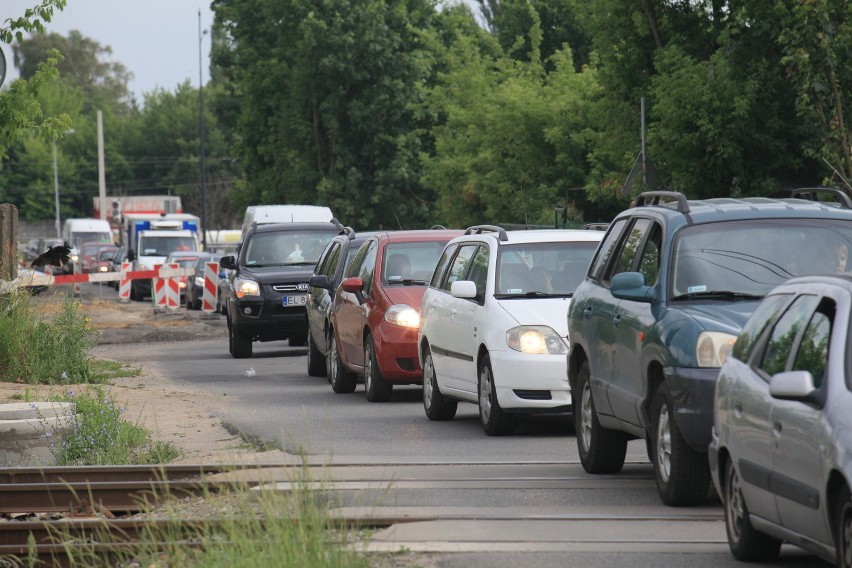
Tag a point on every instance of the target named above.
point(413, 112)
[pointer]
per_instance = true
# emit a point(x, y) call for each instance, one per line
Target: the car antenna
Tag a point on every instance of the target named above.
point(846, 181)
point(397, 221)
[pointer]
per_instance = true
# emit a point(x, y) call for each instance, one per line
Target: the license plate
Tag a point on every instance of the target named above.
point(294, 300)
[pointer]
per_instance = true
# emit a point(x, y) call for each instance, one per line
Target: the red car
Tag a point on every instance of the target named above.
point(376, 312)
point(90, 261)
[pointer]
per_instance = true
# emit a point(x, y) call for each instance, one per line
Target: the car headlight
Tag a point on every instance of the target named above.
point(713, 347)
point(199, 281)
point(245, 287)
point(535, 339)
point(103, 269)
point(74, 258)
point(403, 315)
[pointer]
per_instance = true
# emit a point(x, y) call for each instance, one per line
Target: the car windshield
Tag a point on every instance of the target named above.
point(286, 247)
point(750, 257)
point(79, 238)
point(410, 263)
point(161, 245)
point(183, 261)
point(542, 269)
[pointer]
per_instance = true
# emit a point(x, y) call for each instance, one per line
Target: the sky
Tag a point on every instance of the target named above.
point(156, 40)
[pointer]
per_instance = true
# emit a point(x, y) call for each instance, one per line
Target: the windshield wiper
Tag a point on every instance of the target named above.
point(533, 294)
point(300, 263)
point(407, 282)
point(723, 294)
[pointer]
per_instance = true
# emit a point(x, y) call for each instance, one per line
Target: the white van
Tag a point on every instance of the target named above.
point(261, 214)
point(79, 231)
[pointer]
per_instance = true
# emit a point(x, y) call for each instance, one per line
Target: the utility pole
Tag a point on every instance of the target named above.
point(203, 173)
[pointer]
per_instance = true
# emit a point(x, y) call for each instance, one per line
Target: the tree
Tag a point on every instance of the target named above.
point(325, 92)
point(20, 110)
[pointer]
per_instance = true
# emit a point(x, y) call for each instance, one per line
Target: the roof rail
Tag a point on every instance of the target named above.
point(348, 231)
point(438, 228)
point(843, 199)
point(653, 198)
point(596, 226)
point(337, 224)
point(479, 229)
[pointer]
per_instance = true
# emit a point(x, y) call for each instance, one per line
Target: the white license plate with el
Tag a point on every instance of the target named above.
point(294, 300)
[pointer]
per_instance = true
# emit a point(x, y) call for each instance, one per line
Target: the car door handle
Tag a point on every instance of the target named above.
point(587, 312)
point(452, 312)
point(616, 320)
point(738, 410)
point(776, 429)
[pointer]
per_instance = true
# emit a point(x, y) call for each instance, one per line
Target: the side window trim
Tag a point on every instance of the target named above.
point(450, 253)
point(596, 272)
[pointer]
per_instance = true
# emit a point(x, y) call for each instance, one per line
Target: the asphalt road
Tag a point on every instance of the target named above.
point(472, 500)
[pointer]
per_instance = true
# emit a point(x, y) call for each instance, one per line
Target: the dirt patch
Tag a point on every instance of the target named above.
point(186, 418)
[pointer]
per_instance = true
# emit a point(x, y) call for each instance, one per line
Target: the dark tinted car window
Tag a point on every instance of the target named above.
point(329, 263)
point(460, 265)
point(605, 249)
point(757, 324)
point(368, 267)
point(442, 264)
point(813, 349)
point(649, 263)
point(630, 248)
point(784, 334)
point(355, 264)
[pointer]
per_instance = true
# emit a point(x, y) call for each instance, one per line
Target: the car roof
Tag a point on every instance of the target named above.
point(291, 227)
point(696, 211)
point(844, 280)
point(532, 236)
point(417, 235)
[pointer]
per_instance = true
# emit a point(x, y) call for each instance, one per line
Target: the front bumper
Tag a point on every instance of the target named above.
point(531, 383)
point(267, 319)
point(692, 392)
point(396, 353)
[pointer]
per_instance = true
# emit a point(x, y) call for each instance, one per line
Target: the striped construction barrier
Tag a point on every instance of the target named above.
point(58, 280)
point(165, 292)
point(211, 287)
point(124, 282)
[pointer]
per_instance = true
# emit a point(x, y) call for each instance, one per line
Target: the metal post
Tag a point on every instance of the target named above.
point(56, 190)
point(644, 155)
point(201, 128)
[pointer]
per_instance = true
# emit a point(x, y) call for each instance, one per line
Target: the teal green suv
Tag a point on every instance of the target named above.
point(664, 300)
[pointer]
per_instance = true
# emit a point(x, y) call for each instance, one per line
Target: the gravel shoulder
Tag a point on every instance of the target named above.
point(186, 418)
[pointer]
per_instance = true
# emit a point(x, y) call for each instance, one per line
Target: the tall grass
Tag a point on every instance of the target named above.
point(41, 348)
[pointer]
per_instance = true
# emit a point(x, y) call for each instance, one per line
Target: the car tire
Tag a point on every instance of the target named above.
point(134, 293)
point(241, 344)
point(843, 529)
point(436, 405)
point(601, 450)
point(316, 361)
point(342, 380)
point(494, 420)
point(376, 387)
point(682, 474)
point(746, 543)
point(297, 340)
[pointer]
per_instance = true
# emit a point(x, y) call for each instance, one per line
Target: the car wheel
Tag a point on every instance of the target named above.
point(342, 380)
point(843, 530)
point(297, 340)
point(241, 344)
point(495, 421)
point(683, 475)
point(316, 361)
point(746, 542)
point(376, 387)
point(437, 406)
point(601, 450)
point(134, 294)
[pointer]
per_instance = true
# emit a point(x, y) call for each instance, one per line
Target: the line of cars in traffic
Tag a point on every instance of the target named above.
point(716, 330)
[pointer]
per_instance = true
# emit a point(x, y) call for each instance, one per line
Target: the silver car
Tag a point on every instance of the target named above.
point(781, 449)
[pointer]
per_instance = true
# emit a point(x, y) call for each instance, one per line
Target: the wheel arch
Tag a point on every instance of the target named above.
point(480, 355)
point(575, 361)
point(654, 377)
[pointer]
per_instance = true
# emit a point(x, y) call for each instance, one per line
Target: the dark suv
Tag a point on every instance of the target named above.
point(666, 296)
point(268, 284)
point(327, 276)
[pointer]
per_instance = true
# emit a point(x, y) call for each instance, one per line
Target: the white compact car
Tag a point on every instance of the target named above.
point(493, 323)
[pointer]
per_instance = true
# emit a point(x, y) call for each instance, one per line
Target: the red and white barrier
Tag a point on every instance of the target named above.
point(56, 280)
point(211, 287)
point(124, 282)
point(166, 291)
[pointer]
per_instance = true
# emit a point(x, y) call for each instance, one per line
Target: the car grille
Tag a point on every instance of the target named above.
point(290, 287)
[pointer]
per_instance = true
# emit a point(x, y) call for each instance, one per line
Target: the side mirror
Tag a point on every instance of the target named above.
point(794, 385)
point(353, 285)
point(465, 289)
point(320, 281)
point(228, 262)
point(631, 286)
point(131, 256)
